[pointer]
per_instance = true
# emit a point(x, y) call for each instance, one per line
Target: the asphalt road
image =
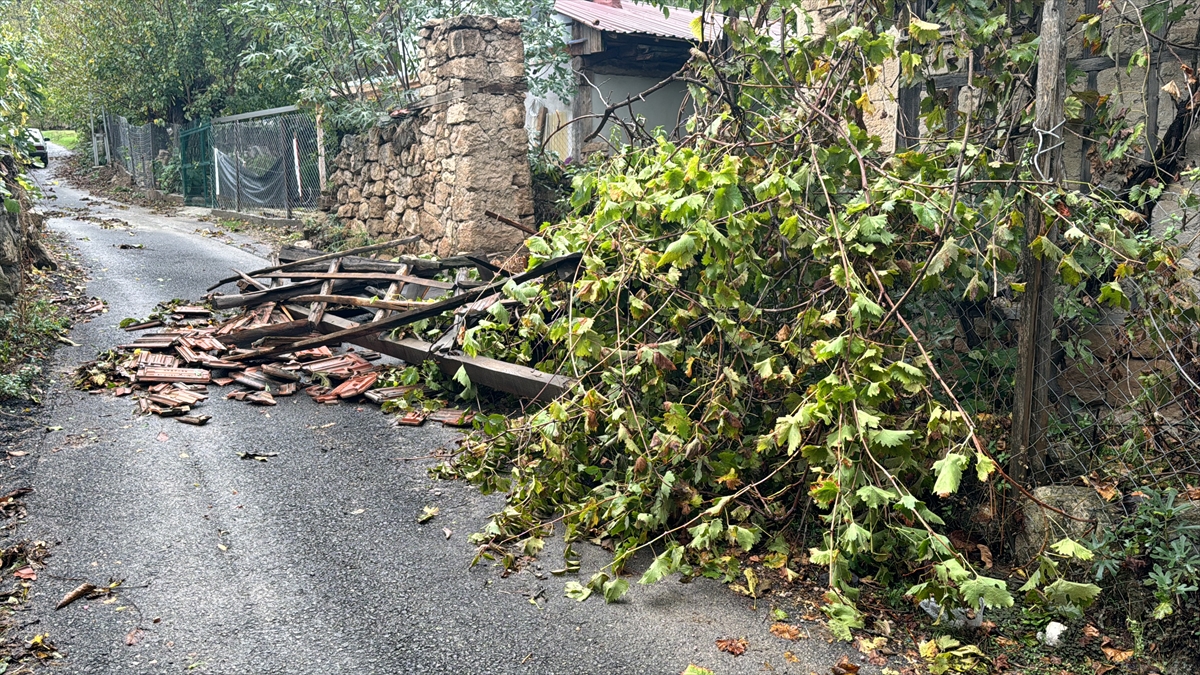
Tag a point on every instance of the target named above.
point(312, 562)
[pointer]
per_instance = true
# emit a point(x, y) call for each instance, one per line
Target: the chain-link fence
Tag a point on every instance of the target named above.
point(267, 163)
point(149, 153)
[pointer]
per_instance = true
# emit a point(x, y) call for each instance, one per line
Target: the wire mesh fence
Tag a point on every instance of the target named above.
point(272, 164)
point(149, 153)
point(266, 162)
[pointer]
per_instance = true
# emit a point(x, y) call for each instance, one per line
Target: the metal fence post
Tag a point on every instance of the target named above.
point(287, 183)
point(237, 160)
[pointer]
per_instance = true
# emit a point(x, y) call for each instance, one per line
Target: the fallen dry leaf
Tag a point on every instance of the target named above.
point(1099, 668)
point(985, 554)
point(132, 637)
point(163, 437)
point(1117, 655)
point(17, 453)
point(791, 657)
point(1089, 633)
point(785, 630)
point(26, 573)
point(79, 592)
point(735, 646)
point(845, 667)
point(447, 531)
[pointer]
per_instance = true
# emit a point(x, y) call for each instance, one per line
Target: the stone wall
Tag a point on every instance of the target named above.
point(459, 150)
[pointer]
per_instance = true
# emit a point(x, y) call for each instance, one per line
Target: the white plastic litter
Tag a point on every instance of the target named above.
point(1051, 634)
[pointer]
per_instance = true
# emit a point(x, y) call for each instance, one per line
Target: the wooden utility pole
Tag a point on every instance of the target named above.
point(1034, 369)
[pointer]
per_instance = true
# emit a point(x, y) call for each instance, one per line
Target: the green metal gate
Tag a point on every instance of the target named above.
point(196, 165)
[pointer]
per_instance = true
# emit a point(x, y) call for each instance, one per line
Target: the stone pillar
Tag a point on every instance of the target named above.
point(461, 150)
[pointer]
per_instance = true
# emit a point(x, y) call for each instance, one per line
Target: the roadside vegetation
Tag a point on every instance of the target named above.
point(780, 382)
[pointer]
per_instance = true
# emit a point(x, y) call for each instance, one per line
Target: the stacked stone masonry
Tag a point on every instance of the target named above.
point(461, 150)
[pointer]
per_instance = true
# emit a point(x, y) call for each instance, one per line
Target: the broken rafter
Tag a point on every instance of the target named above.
point(363, 276)
point(510, 378)
point(353, 301)
point(321, 258)
point(431, 310)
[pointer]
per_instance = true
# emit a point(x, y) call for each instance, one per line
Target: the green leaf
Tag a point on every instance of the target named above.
point(875, 497)
point(658, 569)
point(891, 438)
point(924, 32)
point(1063, 592)
point(614, 589)
point(12, 205)
point(949, 470)
point(1069, 548)
point(679, 253)
point(745, 537)
point(577, 591)
point(1112, 294)
point(993, 592)
point(1071, 271)
point(694, 669)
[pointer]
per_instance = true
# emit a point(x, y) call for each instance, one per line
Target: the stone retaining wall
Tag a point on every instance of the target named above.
point(460, 150)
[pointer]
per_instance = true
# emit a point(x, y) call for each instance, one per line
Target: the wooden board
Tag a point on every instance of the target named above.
point(510, 378)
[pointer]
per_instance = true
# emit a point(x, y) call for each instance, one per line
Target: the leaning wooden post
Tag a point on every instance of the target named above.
point(1031, 406)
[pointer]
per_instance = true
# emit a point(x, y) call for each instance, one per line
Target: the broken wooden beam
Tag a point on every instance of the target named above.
point(247, 337)
point(321, 258)
point(433, 309)
point(277, 294)
point(364, 276)
point(354, 301)
point(510, 378)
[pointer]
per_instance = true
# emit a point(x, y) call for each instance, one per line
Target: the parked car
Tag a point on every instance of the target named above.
point(39, 146)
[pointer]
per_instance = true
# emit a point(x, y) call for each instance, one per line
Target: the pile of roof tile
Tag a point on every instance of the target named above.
point(281, 341)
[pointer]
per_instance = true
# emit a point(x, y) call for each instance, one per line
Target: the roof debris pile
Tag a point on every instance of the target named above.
point(317, 323)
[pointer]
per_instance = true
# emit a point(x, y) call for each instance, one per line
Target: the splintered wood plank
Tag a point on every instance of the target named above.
point(363, 276)
point(492, 373)
point(318, 308)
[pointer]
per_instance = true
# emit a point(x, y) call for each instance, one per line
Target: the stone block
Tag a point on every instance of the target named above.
point(464, 43)
point(343, 195)
point(512, 69)
point(510, 26)
point(441, 195)
point(1043, 527)
point(377, 171)
point(465, 68)
point(469, 21)
point(377, 207)
point(347, 211)
point(514, 116)
point(458, 113)
point(364, 211)
point(429, 227)
point(391, 222)
point(354, 196)
point(409, 220)
point(481, 235)
point(414, 202)
point(371, 153)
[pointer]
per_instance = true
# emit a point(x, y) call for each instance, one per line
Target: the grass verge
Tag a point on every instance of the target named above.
point(66, 138)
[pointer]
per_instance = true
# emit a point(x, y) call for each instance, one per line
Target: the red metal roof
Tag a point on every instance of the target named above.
point(631, 17)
